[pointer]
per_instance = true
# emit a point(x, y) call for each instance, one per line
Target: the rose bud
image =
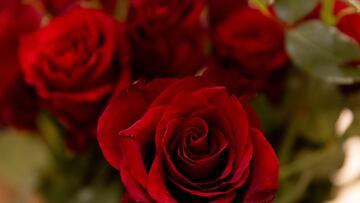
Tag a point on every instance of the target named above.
point(167, 37)
point(75, 63)
point(187, 140)
point(18, 105)
point(250, 42)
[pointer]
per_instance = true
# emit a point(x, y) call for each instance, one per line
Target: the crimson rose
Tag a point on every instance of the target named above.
point(75, 63)
point(250, 42)
point(189, 141)
point(18, 105)
point(167, 37)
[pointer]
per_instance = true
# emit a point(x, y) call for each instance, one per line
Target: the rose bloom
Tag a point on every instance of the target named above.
point(18, 105)
point(75, 63)
point(167, 37)
point(187, 141)
point(250, 42)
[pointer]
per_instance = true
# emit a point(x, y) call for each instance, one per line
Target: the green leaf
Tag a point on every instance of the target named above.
point(323, 51)
point(293, 10)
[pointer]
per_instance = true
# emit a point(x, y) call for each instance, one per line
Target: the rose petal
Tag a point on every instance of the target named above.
point(225, 198)
point(125, 108)
point(123, 111)
point(263, 180)
point(185, 85)
point(157, 184)
point(136, 193)
point(137, 141)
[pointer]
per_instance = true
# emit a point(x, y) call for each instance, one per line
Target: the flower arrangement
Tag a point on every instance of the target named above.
point(177, 101)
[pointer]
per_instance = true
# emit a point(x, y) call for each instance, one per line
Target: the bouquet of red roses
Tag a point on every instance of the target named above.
point(178, 101)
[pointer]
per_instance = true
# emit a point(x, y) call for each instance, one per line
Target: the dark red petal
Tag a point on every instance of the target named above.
point(157, 184)
point(217, 119)
point(225, 198)
point(124, 109)
point(237, 118)
point(178, 105)
point(121, 113)
point(185, 85)
point(137, 193)
point(137, 141)
point(263, 180)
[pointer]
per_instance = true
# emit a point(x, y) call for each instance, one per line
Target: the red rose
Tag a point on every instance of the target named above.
point(250, 42)
point(17, 101)
point(167, 37)
point(75, 63)
point(189, 141)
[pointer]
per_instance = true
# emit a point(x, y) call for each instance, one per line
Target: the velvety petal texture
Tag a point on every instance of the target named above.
point(187, 140)
point(75, 63)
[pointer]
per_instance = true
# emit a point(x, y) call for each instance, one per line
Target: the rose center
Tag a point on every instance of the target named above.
point(196, 138)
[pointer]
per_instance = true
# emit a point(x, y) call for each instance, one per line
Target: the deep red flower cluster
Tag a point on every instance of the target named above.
point(164, 91)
